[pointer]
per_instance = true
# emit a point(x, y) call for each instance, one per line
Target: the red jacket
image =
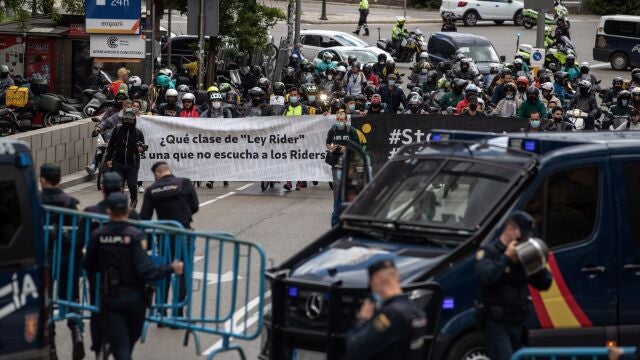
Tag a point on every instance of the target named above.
point(461, 105)
point(189, 113)
point(373, 79)
point(115, 86)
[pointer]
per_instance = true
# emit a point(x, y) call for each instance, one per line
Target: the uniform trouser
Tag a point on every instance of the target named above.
point(95, 322)
point(124, 316)
point(363, 20)
point(129, 174)
point(503, 339)
point(335, 175)
point(182, 284)
point(72, 322)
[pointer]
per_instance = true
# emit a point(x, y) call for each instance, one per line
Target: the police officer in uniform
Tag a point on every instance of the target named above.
point(50, 176)
point(394, 331)
point(172, 198)
point(111, 183)
point(504, 288)
point(118, 251)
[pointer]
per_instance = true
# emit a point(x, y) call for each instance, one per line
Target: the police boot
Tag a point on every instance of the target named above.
point(357, 32)
point(133, 204)
point(78, 344)
point(366, 31)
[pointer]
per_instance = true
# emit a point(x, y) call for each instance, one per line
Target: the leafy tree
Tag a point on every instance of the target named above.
point(627, 7)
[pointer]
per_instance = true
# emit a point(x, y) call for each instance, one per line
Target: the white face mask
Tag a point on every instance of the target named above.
point(216, 104)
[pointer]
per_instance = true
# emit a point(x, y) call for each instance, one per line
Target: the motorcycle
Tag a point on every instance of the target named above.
point(95, 102)
point(410, 47)
point(555, 57)
point(57, 110)
point(531, 16)
point(101, 164)
point(575, 120)
point(8, 121)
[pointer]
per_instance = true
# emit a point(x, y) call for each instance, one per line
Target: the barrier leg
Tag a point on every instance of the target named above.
point(226, 348)
point(196, 341)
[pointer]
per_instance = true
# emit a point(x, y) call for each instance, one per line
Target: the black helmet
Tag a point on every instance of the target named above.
point(560, 76)
point(571, 59)
point(231, 97)
point(369, 90)
point(458, 85)
point(636, 78)
point(367, 69)
point(618, 80)
point(584, 87)
point(532, 94)
point(432, 76)
point(355, 64)
point(505, 71)
point(382, 58)
point(351, 59)
point(264, 84)
point(417, 90)
point(309, 67)
point(256, 92)
point(510, 86)
point(545, 77)
point(635, 71)
point(625, 96)
point(279, 88)
point(525, 222)
point(331, 71)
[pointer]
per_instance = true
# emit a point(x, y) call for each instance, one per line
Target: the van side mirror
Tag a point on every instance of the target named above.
point(502, 57)
point(356, 173)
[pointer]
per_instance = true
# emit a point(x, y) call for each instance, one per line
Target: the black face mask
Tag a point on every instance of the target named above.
point(256, 101)
point(584, 92)
point(473, 107)
point(522, 88)
point(532, 99)
point(128, 123)
point(584, 70)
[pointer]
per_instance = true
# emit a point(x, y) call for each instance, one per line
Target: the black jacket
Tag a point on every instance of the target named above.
point(173, 198)
point(393, 97)
point(123, 145)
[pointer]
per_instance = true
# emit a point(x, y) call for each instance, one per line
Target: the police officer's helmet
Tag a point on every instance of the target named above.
point(111, 181)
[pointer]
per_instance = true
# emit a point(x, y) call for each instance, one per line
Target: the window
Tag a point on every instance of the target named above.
point(631, 173)
point(364, 57)
point(311, 40)
point(329, 42)
point(441, 48)
point(9, 212)
point(565, 206)
point(620, 28)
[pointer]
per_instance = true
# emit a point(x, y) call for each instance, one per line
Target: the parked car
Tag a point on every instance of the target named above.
point(363, 55)
point(470, 11)
point(442, 45)
point(617, 39)
point(315, 40)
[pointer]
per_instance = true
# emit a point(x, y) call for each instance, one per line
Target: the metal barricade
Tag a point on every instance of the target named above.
point(223, 283)
point(567, 353)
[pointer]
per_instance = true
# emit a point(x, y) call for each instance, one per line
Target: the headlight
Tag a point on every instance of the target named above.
point(323, 97)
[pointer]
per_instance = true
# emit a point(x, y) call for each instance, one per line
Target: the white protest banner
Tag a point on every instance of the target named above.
point(275, 148)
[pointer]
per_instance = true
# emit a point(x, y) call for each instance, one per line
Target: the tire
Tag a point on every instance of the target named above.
point(8, 125)
point(498, 22)
point(469, 347)
point(47, 120)
point(619, 61)
point(518, 18)
point(264, 185)
point(470, 18)
point(528, 24)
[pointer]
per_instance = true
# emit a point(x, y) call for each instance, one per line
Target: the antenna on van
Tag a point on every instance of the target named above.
point(378, 33)
point(517, 42)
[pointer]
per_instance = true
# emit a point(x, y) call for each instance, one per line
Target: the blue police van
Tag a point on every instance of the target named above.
point(618, 41)
point(430, 209)
point(23, 275)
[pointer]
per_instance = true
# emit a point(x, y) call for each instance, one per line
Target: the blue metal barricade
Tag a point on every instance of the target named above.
point(572, 353)
point(222, 288)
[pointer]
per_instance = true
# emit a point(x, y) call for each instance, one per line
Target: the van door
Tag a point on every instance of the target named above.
point(629, 239)
point(569, 206)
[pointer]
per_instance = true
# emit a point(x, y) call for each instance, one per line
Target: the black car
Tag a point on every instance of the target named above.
point(184, 49)
point(443, 45)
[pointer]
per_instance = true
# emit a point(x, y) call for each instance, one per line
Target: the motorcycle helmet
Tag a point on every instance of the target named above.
point(517, 64)
point(510, 87)
point(522, 81)
point(624, 98)
point(470, 90)
point(309, 92)
point(327, 56)
point(367, 69)
point(464, 64)
point(355, 64)
point(190, 97)
point(264, 84)
point(224, 88)
point(460, 57)
point(584, 67)
point(135, 81)
point(617, 82)
point(443, 83)
point(505, 71)
point(183, 88)
point(351, 59)
point(122, 95)
point(213, 97)
point(369, 90)
point(584, 88)
point(532, 94)
point(432, 76)
point(167, 72)
point(309, 67)
point(4, 71)
point(417, 90)
point(424, 56)
point(547, 90)
point(391, 64)
point(212, 89)
point(571, 60)
point(256, 95)
point(415, 103)
point(172, 96)
point(561, 76)
point(400, 20)
point(231, 97)
point(382, 59)
point(458, 85)
point(289, 71)
point(341, 70)
point(544, 78)
point(279, 88)
point(636, 78)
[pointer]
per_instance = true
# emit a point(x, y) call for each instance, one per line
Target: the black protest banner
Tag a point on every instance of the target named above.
point(386, 133)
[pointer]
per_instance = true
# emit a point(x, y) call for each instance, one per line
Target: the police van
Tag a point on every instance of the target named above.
point(23, 276)
point(618, 41)
point(435, 203)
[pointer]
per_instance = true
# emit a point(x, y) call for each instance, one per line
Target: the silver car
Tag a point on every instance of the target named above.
point(314, 41)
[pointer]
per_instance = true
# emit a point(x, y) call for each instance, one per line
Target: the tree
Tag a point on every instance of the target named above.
point(627, 7)
point(21, 11)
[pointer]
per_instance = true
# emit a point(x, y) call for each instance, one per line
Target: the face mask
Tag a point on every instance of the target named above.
point(535, 124)
point(377, 299)
point(340, 125)
point(312, 98)
point(216, 104)
point(624, 102)
point(584, 71)
point(392, 83)
point(329, 77)
point(532, 99)
point(381, 62)
point(293, 100)
point(352, 107)
point(4, 75)
point(509, 97)
point(522, 88)
point(473, 107)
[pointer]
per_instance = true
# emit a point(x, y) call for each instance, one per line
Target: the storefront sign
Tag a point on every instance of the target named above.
point(112, 16)
point(12, 53)
point(40, 60)
point(117, 46)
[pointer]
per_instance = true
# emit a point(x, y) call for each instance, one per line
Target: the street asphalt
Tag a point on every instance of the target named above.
point(283, 223)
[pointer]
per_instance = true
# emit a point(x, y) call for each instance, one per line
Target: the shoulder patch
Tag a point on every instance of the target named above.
point(143, 244)
point(381, 323)
point(480, 255)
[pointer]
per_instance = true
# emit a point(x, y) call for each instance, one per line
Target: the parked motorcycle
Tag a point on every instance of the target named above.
point(410, 47)
point(576, 120)
point(531, 16)
point(555, 57)
point(8, 121)
point(57, 110)
point(95, 102)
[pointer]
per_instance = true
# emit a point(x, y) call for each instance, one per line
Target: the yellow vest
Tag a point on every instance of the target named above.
point(294, 111)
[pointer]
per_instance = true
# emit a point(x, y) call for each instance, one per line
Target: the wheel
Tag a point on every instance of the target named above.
point(264, 185)
point(518, 18)
point(528, 24)
point(271, 184)
point(8, 125)
point(470, 18)
point(469, 347)
point(498, 22)
point(619, 61)
point(47, 121)
point(101, 166)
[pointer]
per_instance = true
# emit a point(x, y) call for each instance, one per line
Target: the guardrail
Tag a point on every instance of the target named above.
point(566, 353)
point(223, 281)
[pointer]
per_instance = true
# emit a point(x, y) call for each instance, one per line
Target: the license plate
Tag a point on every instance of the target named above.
point(301, 354)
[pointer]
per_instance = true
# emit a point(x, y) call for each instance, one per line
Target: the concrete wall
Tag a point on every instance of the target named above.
point(69, 145)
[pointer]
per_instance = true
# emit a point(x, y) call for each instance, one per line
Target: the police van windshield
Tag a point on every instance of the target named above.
point(450, 194)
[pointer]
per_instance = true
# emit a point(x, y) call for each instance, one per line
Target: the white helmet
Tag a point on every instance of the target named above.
point(166, 71)
point(171, 92)
point(188, 96)
point(584, 64)
point(547, 86)
point(424, 55)
point(341, 69)
point(135, 81)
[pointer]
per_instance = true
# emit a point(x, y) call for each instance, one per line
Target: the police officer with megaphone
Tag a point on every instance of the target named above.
point(504, 270)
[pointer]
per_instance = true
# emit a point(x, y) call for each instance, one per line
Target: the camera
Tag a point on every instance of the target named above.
point(142, 145)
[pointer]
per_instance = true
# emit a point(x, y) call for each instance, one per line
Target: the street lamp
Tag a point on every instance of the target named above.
point(323, 16)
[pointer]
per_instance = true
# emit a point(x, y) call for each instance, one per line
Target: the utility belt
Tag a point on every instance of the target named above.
point(504, 313)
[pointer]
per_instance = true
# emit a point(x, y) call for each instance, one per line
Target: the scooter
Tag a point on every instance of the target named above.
point(531, 16)
point(576, 120)
point(95, 102)
point(8, 121)
point(57, 110)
